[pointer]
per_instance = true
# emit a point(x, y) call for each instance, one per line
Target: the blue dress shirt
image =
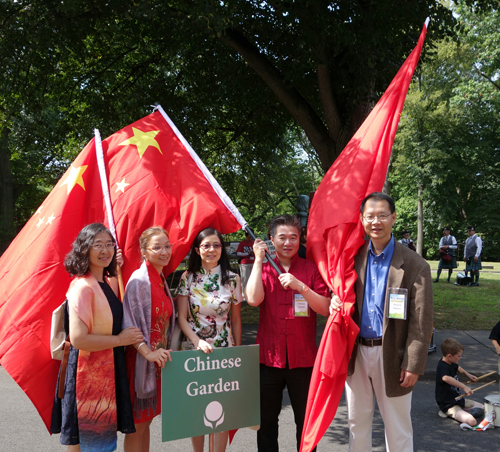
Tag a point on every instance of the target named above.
point(377, 271)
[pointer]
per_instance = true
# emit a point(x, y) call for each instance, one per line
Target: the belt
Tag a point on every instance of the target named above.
point(370, 342)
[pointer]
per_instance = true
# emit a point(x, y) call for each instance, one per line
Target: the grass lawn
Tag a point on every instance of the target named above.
point(455, 307)
point(461, 267)
point(467, 308)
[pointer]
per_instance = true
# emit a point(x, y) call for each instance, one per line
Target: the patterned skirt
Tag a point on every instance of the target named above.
point(473, 266)
point(65, 419)
point(448, 265)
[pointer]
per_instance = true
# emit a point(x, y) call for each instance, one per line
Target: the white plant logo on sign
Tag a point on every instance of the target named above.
point(214, 415)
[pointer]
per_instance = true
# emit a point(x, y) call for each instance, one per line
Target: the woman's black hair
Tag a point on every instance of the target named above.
point(77, 261)
point(194, 263)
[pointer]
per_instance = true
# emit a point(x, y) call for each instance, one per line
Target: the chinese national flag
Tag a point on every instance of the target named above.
point(335, 235)
point(155, 178)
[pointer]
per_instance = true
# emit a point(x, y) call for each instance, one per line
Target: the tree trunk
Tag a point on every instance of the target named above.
point(7, 228)
point(420, 220)
point(320, 137)
point(420, 192)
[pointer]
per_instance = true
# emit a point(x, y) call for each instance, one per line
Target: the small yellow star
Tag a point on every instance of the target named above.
point(39, 210)
point(120, 186)
point(40, 222)
point(75, 177)
point(51, 218)
point(143, 140)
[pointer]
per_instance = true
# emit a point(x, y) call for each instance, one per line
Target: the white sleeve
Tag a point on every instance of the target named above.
point(479, 244)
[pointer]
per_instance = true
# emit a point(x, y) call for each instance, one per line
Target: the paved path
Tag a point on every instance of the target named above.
point(21, 429)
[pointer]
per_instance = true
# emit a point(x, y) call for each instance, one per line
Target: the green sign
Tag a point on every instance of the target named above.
point(207, 393)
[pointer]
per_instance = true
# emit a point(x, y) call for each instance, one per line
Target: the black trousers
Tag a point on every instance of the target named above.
point(272, 383)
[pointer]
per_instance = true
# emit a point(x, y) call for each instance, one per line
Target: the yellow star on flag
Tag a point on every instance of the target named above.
point(143, 140)
point(120, 186)
point(39, 210)
point(75, 177)
point(40, 222)
point(51, 219)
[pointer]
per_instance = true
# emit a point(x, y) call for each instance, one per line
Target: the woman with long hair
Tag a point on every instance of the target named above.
point(96, 402)
point(148, 306)
point(209, 302)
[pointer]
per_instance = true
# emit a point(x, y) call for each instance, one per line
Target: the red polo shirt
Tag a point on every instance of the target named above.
point(281, 334)
point(246, 246)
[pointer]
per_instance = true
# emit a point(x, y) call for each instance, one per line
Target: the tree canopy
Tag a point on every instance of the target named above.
point(449, 135)
point(244, 81)
point(323, 62)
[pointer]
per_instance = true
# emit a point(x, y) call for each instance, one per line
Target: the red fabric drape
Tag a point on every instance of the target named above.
point(334, 236)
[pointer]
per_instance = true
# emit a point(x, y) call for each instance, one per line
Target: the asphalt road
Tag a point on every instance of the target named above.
point(21, 429)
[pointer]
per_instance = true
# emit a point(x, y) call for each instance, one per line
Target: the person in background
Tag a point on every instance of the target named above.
point(209, 302)
point(406, 241)
point(447, 252)
point(88, 415)
point(472, 255)
point(394, 310)
point(287, 326)
point(148, 306)
point(303, 244)
point(245, 253)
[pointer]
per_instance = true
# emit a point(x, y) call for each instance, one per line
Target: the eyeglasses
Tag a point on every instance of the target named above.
point(101, 246)
point(158, 248)
point(207, 246)
point(371, 218)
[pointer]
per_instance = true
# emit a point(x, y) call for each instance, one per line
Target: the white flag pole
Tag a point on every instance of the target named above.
point(107, 200)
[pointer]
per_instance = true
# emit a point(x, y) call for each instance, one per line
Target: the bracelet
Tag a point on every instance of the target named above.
point(140, 345)
point(304, 290)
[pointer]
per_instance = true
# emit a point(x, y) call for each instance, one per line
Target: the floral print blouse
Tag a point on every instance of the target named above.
point(210, 304)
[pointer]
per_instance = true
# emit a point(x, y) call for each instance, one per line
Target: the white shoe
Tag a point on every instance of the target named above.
point(441, 414)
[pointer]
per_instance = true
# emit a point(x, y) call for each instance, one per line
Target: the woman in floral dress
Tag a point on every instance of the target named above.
point(209, 297)
point(148, 306)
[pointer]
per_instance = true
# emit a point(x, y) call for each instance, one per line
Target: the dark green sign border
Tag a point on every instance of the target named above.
point(208, 393)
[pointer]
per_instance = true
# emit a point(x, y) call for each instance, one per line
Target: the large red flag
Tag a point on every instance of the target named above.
point(335, 235)
point(155, 179)
point(33, 281)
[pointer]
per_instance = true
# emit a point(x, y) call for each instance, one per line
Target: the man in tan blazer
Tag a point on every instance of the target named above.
point(394, 310)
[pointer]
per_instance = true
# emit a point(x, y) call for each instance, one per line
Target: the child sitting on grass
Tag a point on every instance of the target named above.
point(495, 339)
point(448, 387)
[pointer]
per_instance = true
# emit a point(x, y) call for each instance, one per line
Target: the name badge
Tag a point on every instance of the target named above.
point(398, 299)
point(300, 306)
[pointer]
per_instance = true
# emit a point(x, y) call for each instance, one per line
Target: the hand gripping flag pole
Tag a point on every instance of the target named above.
point(268, 256)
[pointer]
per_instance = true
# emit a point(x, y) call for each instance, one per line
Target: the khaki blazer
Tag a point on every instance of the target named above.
point(405, 343)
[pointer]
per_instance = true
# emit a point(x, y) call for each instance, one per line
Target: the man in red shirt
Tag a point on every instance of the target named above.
point(245, 252)
point(287, 326)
